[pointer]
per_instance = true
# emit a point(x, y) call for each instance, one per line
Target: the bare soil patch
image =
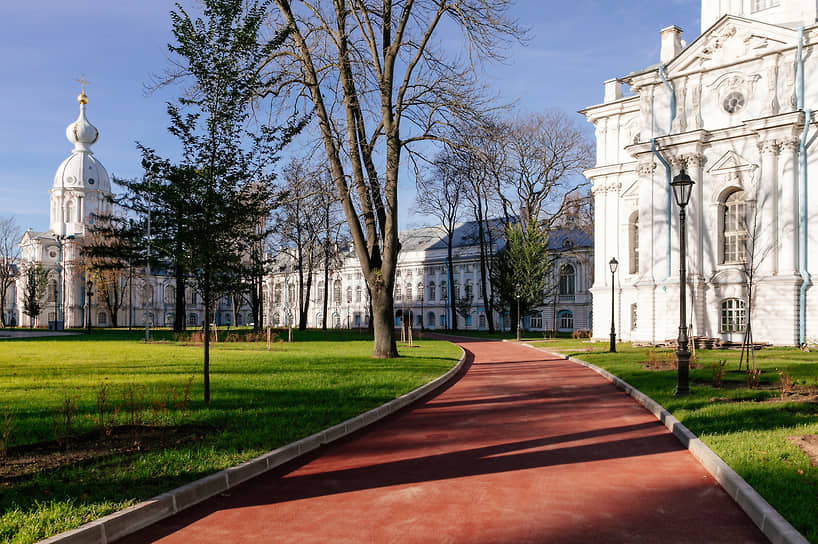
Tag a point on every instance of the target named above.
point(23, 461)
point(808, 444)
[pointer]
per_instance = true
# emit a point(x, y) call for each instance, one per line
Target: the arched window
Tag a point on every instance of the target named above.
point(734, 225)
point(444, 293)
point(320, 291)
point(420, 291)
point(567, 280)
point(276, 319)
point(469, 288)
point(170, 294)
point(398, 315)
point(432, 294)
point(442, 321)
point(732, 315)
point(536, 320)
point(358, 294)
point(150, 295)
point(566, 321)
point(290, 294)
point(192, 319)
point(430, 319)
point(277, 294)
point(349, 294)
point(409, 292)
point(102, 319)
point(51, 292)
point(398, 293)
point(633, 238)
point(336, 292)
point(482, 321)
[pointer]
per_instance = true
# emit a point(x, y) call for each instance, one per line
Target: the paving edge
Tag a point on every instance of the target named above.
point(124, 522)
point(771, 523)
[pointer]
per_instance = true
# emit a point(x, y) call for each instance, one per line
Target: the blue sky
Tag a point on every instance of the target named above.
point(46, 44)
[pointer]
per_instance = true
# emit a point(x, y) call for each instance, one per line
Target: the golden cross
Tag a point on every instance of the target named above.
point(83, 82)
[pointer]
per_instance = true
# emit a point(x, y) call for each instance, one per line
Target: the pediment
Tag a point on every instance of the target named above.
point(731, 163)
point(732, 39)
point(632, 190)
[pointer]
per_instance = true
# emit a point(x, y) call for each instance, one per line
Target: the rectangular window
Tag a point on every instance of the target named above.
point(536, 321)
point(633, 317)
point(732, 315)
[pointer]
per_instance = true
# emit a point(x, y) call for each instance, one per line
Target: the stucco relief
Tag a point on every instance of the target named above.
point(732, 84)
point(733, 42)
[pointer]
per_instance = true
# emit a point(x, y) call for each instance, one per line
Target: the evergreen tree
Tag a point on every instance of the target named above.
point(520, 270)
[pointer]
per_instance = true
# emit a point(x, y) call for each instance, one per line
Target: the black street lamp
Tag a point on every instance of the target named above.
point(613, 264)
point(88, 292)
point(682, 188)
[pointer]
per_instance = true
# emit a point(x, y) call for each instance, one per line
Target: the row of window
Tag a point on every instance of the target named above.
point(732, 317)
point(732, 232)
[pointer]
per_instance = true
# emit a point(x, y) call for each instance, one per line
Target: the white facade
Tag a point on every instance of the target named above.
point(422, 291)
point(731, 109)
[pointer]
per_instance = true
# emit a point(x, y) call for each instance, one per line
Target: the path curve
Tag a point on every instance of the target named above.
point(525, 447)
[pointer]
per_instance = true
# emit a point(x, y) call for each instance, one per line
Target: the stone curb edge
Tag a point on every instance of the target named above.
point(771, 523)
point(124, 522)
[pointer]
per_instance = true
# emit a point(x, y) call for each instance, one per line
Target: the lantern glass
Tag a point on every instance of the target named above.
point(682, 188)
point(613, 264)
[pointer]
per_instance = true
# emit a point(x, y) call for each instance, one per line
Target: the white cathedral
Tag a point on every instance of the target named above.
point(732, 108)
point(80, 190)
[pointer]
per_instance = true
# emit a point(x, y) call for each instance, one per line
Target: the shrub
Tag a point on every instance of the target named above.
point(753, 378)
point(64, 420)
point(718, 373)
point(7, 424)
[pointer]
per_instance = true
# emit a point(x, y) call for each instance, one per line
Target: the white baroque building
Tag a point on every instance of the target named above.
point(733, 108)
point(82, 188)
point(422, 291)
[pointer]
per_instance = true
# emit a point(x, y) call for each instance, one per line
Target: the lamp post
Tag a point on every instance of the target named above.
point(88, 293)
point(682, 188)
point(613, 264)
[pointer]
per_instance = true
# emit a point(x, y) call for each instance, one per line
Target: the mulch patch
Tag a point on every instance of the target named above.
point(23, 461)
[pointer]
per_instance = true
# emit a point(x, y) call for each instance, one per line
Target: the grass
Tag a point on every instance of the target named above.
point(734, 421)
point(260, 400)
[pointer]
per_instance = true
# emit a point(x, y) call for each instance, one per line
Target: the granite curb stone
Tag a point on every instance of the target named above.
point(129, 520)
point(767, 518)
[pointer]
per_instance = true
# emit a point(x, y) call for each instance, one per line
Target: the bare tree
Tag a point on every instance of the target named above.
point(376, 81)
point(9, 260)
point(756, 251)
point(440, 193)
point(535, 163)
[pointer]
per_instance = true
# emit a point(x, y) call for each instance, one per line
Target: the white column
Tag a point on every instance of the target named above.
point(767, 206)
point(788, 191)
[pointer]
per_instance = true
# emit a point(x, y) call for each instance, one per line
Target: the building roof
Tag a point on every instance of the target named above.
point(466, 235)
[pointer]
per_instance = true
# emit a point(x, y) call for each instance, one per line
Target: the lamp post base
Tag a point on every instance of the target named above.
point(682, 372)
point(613, 343)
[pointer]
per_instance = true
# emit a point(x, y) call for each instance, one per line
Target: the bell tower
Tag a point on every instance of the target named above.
point(81, 185)
point(789, 13)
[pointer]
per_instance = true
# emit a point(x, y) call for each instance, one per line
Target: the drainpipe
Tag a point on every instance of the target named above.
point(667, 167)
point(667, 204)
point(802, 192)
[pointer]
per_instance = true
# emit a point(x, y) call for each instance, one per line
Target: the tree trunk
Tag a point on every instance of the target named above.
point(382, 324)
point(326, 293)
point(484, 274)
point(207, 297)
point(453, 298)
point(179, 321)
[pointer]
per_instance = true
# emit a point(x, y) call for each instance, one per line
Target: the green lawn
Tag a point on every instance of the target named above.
point(260, 400)
point(737, 423)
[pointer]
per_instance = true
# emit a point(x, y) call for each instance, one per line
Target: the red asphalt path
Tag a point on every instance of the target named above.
point(524, 447)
